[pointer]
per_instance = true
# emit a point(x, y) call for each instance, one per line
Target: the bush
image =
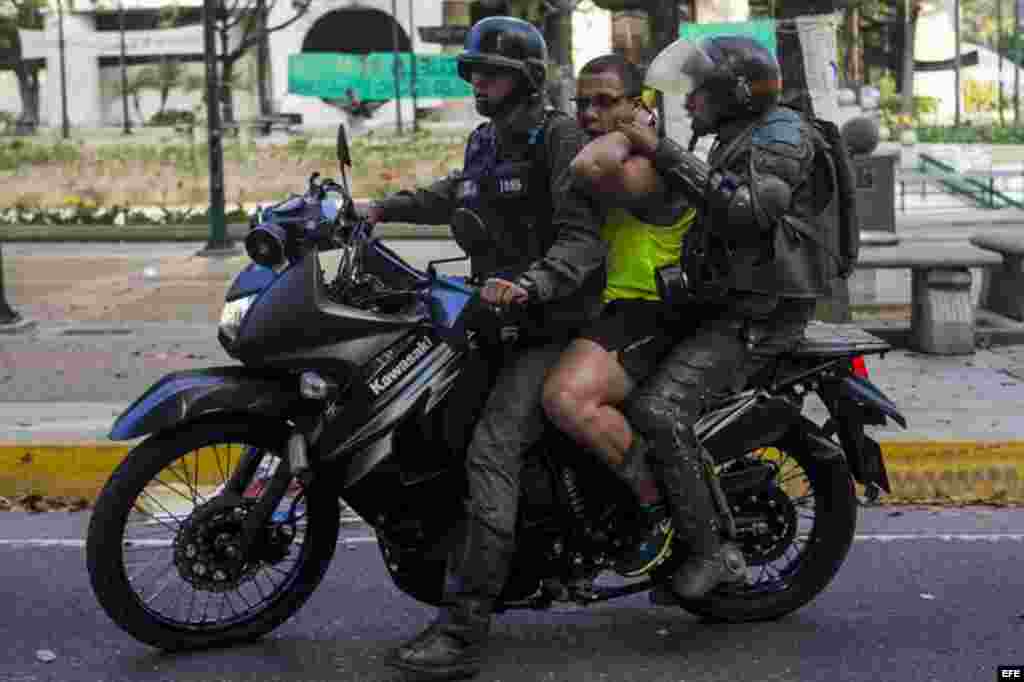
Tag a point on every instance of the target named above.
point(971, 135)
point(172, 117)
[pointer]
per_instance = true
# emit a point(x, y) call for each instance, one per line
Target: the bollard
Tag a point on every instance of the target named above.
point(10, 320)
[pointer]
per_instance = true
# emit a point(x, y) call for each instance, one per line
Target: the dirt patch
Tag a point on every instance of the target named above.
point(251, 174)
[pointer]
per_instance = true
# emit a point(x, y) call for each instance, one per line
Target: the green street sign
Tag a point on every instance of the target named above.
point(330, 75)
point(762, 30)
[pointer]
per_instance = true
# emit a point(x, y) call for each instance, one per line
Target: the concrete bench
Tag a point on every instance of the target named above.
point(942, 318)
point(1002, 289)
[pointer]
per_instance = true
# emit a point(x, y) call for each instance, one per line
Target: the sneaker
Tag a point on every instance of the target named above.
point(650, 552)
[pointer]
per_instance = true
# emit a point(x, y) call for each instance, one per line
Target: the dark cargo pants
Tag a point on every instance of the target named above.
point(719, 358)
point(512, 421)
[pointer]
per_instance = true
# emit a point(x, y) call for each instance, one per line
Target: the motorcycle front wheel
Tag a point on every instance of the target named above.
point(795, 534)
point(162, 546)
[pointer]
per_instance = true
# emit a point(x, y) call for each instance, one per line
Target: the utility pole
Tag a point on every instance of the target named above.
point(412, 56)
point(1016, 62)
point(999, 51)
point(956, 67)
point(397, 64)
point(124, 74)
point(10, 320)
point(219, 241)
point(65, 126)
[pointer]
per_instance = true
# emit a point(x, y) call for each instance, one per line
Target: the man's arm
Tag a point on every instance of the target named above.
point(431, 205)
point(608, 168)
point(578, 250)
point(781, 161)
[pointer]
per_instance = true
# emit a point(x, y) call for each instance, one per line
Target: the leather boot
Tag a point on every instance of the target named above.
point(452, 646)
point(696, 524)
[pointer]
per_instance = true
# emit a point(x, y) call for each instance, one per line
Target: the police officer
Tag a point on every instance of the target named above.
point(533, 241)
point(767, 203)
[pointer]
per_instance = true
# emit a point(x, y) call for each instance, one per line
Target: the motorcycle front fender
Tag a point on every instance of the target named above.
point(184, 396)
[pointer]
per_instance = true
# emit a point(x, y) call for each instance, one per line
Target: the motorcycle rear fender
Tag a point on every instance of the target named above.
point(185, 396)
point(860, 402)
point(751, 423)
point(871, 400)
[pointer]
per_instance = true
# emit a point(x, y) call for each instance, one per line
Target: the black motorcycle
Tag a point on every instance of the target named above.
point(365, 388)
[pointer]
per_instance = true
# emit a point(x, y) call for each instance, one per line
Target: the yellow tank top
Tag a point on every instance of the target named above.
point(636, 249)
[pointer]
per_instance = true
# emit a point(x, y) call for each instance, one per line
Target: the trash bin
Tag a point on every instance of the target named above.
point(876, 191)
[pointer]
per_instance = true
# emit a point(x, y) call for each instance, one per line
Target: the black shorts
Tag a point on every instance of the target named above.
point(642, 332)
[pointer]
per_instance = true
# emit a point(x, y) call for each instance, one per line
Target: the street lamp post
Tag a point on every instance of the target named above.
point(219, 242)
point(10, 320)
point(398, 66)
point(65, 126)
point(7, 314)
point(412, 57)
point(127, 126)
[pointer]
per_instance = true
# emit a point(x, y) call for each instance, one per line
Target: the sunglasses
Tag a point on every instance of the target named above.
point(601, 101)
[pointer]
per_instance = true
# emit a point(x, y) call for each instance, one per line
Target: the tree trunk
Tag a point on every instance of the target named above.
point(226, 95)
point(909, 31)
point(855, 51)
point(28, 89)
point(7, 314)
point(262, 64)
point(558, 34)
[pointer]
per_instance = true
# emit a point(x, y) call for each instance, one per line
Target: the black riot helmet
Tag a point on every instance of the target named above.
point(742, 77)
point(508, 43)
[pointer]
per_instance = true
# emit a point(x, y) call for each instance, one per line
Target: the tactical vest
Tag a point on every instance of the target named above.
point(503, 204)
point(784, 261)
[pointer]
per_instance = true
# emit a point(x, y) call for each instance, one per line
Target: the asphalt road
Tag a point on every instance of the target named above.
point(926, 595)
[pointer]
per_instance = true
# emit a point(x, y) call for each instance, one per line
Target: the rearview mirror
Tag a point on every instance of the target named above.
point(344, 157)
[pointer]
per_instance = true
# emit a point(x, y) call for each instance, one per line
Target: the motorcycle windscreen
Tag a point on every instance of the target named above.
point(679, 69)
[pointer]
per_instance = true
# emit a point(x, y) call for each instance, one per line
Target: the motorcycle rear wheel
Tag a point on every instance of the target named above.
point(825, 507)
point(151, 508)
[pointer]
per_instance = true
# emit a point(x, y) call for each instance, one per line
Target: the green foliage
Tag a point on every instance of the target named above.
point(19, 153)
point(172, 117)
point(971, 135)
point(979, 96)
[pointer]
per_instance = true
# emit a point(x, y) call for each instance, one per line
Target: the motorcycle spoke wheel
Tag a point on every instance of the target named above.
point(164, 551)
point(791, 513)
point(799, 531)
point(207, 589)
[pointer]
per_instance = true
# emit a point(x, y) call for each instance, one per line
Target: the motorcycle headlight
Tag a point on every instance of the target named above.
point(233, 314)
point(265, 244)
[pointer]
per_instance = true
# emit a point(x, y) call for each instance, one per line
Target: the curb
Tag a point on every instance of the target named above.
point(12, 234)
point(919, 470)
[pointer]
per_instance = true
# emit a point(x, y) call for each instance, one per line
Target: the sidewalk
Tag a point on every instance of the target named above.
point(113, 319)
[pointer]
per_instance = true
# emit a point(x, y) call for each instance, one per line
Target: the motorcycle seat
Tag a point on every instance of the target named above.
point(825, 340)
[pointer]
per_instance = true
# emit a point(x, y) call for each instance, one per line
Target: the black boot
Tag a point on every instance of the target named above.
point(452, 646)
point(696, 524)
point(702, 573)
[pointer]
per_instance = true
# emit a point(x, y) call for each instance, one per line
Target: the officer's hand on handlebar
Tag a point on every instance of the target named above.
point(374, 214)
point(502, 293)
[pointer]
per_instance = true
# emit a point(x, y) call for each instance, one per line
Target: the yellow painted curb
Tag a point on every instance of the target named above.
point(52, 470)
point(918, 470)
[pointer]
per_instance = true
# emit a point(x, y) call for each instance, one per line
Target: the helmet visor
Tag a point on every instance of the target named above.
point(679, 69)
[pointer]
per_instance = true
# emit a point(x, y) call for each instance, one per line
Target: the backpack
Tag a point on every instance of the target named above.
point(829, 143)
point(830, 151)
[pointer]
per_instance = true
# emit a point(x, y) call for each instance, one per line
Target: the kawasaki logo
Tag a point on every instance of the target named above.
point(383, 382)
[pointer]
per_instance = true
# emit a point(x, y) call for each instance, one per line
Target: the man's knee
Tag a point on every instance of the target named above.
point(565, 407)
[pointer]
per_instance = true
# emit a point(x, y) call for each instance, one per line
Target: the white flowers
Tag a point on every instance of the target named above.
point(80, 214)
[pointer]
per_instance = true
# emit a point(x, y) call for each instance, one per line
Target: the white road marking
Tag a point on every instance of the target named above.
point(879, 537)
point(72, 543)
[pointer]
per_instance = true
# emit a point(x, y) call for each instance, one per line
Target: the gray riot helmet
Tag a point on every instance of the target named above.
point(740, 75)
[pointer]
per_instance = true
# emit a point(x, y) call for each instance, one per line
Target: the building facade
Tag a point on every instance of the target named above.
point(91, 51)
